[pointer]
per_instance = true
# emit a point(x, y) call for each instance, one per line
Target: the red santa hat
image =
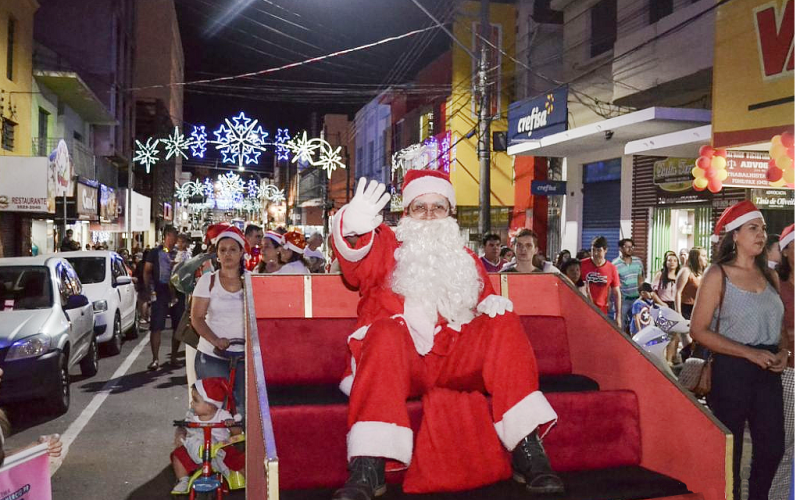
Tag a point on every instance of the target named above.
point(213, 390)
point(276, 237)
point(735, 217)
point(213, 231)
point(787, 236)
point(235, 234)
point(419, 182)
point(294, 241)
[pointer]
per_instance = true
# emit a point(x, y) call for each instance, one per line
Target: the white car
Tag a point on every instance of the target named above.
point(111, 291)
point(46, 328)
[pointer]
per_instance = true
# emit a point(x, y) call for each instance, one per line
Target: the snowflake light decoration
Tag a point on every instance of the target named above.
point(240, 142)
point(175, 144)
point(302, 147)
point(208, 187)
point(199, 141)
point(270, 192)
point(147, 153)
point(304, 150)
point(280, 143)
point(231, 183)
point(190, 189)
point(330, 159)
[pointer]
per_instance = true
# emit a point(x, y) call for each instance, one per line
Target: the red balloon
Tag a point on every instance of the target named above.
point(715, 185)
point(707, 151)
point(774, 174)
point(772, 163)
point(790, 152)
point(787, 139)
point(711, 173)
point(703, 162)
point(721, 152)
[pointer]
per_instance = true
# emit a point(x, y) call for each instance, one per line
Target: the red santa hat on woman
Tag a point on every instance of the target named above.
point(787, 236)
point(419, 182)
point(735, 217)
point(235, 234)
point(276, 237)
point(213, 390)
point(294, 241)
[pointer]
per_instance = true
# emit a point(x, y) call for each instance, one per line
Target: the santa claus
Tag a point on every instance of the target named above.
point(429, 319)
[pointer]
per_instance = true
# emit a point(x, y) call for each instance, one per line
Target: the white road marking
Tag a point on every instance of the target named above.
point(77, 426)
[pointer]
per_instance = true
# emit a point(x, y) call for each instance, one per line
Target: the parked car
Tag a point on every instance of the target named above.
point(109, 287)
point(46, 328)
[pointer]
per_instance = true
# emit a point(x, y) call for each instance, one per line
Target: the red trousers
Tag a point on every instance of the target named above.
point(234, 459)
point(490, 355)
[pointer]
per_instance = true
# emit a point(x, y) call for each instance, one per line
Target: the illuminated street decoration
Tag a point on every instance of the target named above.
point(147, 153)
point(270, 192)
point(433, 154)
point(228, 192)
point(175, 144)
point(252, 189)
point(280, 143)
point(199, 141)
point(304, 150)
point(240, 142)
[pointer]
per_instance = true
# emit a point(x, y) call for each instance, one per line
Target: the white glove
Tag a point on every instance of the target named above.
point(363, 213)
point(494, 305)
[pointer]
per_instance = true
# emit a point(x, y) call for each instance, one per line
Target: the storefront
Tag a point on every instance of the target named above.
point(139, 223)
point(28, 188)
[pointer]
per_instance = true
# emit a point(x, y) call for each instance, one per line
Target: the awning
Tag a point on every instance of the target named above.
point(73, 91)
point(681, 144)
point(617, 131)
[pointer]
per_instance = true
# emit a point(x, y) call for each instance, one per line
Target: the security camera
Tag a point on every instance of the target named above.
point(609, 134)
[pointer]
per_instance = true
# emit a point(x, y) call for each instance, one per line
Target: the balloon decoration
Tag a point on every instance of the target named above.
point(709, 170)
point(781, 163)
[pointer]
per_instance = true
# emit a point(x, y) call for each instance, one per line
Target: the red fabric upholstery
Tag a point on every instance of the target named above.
point(595, 430)
point(548, 336)
point(305, 351)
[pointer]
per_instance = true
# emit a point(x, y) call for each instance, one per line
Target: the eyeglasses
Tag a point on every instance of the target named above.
point(419, 210)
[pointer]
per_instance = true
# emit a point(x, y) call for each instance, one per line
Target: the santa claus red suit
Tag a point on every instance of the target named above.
point(428, 318)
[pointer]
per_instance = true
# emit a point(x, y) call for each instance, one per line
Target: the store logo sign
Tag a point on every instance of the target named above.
point(538, 117)
point(775, 34)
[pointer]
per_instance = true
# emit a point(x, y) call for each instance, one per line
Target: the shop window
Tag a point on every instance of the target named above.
point(604, 27)
point(8, 134)
point(10, 49)
point(44, 119)
point(660, 9)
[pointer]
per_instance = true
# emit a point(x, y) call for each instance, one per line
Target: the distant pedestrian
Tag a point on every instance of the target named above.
point(291, 254)
point(602, 280)
point(571, 268)
point(157, 272)
point(563, 256)
point(642, 310)
point(253, 234)
point(507, 255)
point(313, 255)
point(525, 246)
point(491, 254)
point(683, 254)
point(271, 244)
point(688, 281)
point(773, 251)
point(631, 275)
point(583, 254)
point(666, 281)
point(68, 244)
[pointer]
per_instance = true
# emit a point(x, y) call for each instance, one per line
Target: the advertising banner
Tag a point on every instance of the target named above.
point(773, 199)
point(26, 475)
point(538, 117)
point(60, 164)
point(108, 204)
point(85, 202)
point(25, 185)
point(747, 169)
point(548, 188)
point(140, 212)
point(753, 88)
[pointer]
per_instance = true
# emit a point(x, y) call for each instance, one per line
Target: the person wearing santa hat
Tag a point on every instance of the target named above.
point(218, 311)
point(208, 398)
point(738, 315)
point(291, 254)
point(782, 483)
point(271, 244)
point(427, 307)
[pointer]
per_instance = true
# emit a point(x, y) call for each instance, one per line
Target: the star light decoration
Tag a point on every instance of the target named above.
point(199, 141)
point(147, 153)
point(228, 193)
point(280, 143)
point(175, 144)
point(304, 150)
point(240, 142)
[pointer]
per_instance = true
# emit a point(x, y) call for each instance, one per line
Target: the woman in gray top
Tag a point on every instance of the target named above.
point(746, 336)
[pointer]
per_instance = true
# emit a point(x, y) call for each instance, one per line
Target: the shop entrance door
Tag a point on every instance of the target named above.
point(674, 228)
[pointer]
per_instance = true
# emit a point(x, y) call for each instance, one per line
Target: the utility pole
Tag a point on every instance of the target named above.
point(484, 123)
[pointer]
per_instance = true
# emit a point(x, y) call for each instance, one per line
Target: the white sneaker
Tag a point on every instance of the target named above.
point(182, 486)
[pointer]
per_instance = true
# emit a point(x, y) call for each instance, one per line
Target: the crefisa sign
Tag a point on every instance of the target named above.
point(538, 117)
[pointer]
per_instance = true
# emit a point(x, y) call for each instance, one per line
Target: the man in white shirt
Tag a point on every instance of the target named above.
point(313, 255)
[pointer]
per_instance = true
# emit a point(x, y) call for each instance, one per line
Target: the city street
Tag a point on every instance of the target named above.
point(118, 432)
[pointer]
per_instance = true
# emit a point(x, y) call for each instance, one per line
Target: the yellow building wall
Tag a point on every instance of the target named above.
point(465, 168)
point(17, 91)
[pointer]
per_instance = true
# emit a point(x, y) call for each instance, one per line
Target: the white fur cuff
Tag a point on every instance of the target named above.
point(348, 253)
point(380, 439)
point(523, 418)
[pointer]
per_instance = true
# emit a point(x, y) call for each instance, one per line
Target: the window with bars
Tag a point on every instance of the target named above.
point(8, 134)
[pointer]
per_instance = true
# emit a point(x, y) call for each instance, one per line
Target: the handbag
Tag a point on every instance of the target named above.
point(185, 332)
point(696, 373)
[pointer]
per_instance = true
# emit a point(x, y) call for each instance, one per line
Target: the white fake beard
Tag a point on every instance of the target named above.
point(434, 270)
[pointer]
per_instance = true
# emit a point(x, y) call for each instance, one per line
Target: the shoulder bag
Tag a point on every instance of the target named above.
point(696, 373)
point(185, 332)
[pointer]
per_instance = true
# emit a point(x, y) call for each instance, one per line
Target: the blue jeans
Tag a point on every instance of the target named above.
point(208, 366)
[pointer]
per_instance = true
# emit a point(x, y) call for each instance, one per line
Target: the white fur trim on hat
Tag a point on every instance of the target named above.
point(427, 185)
point(739, 221)
point(292, 247)
point(232, 235)
point(203, 394)
point(784, 242)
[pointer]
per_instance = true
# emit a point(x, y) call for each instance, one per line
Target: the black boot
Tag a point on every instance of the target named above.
point(532, 467)
point(367, 480)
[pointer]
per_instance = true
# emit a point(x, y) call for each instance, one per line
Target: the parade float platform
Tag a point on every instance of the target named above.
point(626, 430)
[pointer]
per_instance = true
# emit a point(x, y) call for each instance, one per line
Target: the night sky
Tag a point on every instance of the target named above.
point(227, 37)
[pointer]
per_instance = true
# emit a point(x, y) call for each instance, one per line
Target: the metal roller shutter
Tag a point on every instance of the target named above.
point(601, 214)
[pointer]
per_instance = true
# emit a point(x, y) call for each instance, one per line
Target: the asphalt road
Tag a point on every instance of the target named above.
point(118, 429)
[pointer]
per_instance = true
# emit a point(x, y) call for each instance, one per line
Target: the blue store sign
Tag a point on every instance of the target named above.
point(548, 188)
point(538, 117)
